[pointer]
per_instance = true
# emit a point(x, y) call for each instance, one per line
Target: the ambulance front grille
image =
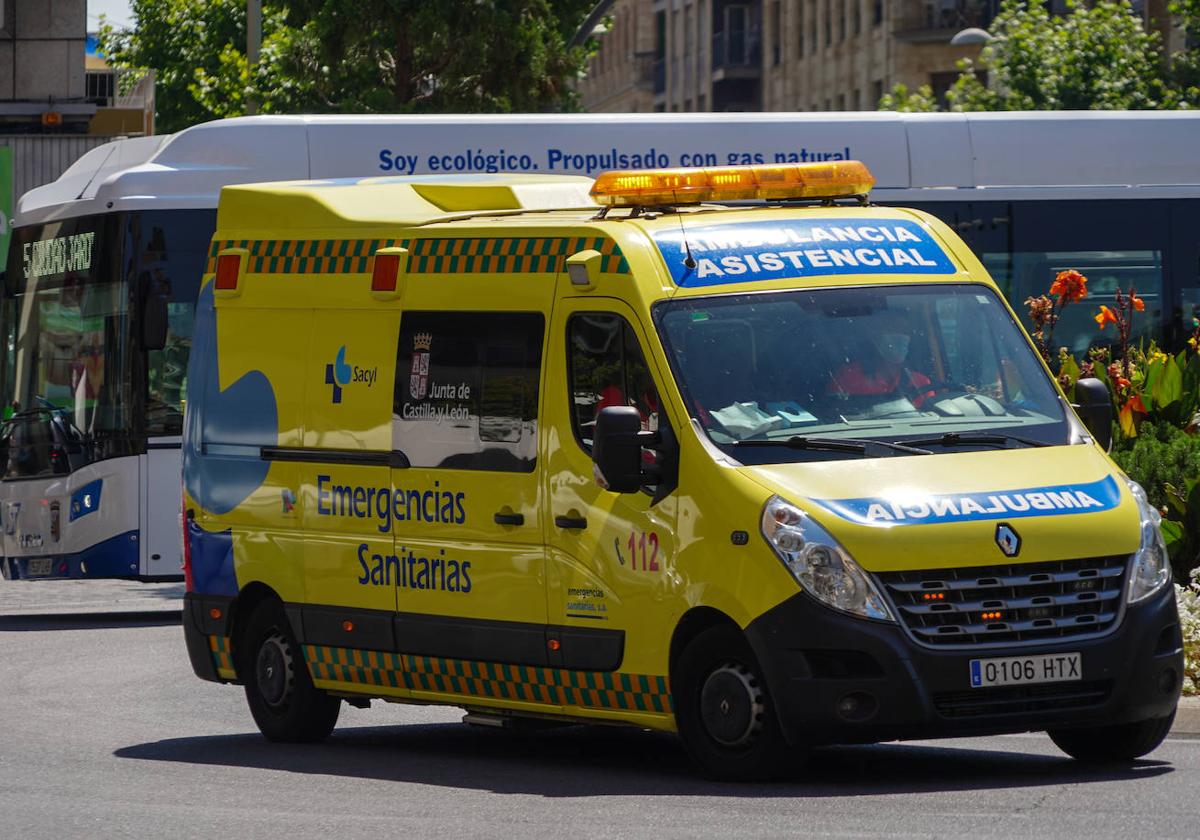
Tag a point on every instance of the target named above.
point(1009, 604)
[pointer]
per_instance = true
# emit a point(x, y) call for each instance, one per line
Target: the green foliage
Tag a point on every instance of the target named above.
point(1165, 460)
point(1094, 57)
point(903, 99)
point(339, 56)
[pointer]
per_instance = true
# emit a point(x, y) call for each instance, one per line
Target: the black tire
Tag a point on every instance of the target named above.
point(1121, 742)
point(285, 704)
point(724, 712)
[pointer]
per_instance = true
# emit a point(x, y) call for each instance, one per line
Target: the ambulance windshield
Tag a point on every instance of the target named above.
point(941, 364)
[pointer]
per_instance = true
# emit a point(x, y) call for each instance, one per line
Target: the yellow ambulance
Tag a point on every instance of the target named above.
point(729, 452)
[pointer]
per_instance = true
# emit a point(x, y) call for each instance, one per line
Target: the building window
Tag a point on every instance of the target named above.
point(877, 92)
point(877, 11)
point(857, 99)
point(842, 21)
point(856, 18)
point(466, 394)
point(841, 102)
point(776, 32)
point(828, 24)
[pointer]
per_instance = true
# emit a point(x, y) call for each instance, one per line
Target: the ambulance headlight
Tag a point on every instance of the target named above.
point(822, 567)
point(1151, 567)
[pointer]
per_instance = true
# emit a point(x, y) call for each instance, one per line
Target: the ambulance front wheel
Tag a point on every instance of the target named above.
point(1120, 742)
point(285, 704)
point(724, 712)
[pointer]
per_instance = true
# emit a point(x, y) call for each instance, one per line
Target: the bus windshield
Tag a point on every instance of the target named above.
point(931, 367)
point(76, 374)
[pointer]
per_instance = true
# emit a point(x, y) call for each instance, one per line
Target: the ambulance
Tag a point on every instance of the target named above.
point(727, 452)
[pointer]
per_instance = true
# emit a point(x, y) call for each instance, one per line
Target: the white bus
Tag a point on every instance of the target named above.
point(105, 262)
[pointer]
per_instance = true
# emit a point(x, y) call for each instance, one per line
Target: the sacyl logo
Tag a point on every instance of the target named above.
point(339, 374)
point(1008, 540)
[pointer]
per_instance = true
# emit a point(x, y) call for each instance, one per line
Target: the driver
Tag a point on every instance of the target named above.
point(882, 370)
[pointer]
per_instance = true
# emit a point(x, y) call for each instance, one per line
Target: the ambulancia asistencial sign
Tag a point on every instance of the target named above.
point(798, 248)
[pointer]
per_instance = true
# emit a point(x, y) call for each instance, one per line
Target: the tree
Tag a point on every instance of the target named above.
point(380, 56)
point(1097, 57)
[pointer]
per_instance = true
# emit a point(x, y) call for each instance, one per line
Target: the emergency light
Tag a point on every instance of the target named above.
point(640, 187)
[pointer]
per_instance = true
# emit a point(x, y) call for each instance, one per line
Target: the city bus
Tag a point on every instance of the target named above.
point(104, 265)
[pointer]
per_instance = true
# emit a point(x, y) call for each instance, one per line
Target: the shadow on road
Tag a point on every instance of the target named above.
point(89, 621)
point(584, 761)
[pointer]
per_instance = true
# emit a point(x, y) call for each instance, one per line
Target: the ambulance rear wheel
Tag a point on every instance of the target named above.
point(285, 704)
point(1119, 743)
point(724, 712)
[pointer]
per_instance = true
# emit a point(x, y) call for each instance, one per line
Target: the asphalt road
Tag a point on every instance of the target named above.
point(105, 732)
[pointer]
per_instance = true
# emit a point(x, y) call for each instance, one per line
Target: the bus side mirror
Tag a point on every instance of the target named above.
point(617, 449)
point(154, 322)
point(1095, 410)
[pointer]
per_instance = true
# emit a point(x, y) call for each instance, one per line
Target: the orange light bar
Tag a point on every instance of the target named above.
point(641, 187)
point(992, 616)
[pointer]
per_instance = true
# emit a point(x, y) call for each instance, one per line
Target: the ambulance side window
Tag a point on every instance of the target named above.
point(466, 394)
point(607, 367)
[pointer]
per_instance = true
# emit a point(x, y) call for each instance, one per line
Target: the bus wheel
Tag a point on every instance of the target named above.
point(723, 711)
point(285, 704)
point(1120, 742)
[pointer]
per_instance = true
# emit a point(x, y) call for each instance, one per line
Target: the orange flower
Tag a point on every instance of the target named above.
point(1137, 302)
point(1070, 286)
point(1105, 317)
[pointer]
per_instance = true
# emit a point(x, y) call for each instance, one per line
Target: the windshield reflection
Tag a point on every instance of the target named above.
point(942, 363)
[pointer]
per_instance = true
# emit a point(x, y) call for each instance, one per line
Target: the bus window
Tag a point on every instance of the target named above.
point(1029, 274)
point(165, 254)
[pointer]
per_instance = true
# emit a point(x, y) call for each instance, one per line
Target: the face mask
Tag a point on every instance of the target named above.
point(893, 347)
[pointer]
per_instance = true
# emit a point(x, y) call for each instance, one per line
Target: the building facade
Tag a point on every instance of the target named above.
point(776, 55)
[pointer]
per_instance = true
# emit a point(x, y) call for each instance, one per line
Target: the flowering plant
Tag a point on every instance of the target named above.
point(1044, 310)
point(1188, 598)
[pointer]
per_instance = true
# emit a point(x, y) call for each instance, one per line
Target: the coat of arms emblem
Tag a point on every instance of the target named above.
point(418, 376)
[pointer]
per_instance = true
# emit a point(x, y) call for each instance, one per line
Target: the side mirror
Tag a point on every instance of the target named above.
point(154, 322)
point(1095, 410)
point(617, 449)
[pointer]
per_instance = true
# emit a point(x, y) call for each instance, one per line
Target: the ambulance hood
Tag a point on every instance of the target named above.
point(944, 510)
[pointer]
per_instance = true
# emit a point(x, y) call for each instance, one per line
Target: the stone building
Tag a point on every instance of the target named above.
point(788, 55)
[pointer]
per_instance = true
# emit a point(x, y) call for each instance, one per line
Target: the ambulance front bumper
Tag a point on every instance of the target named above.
point(839, 679)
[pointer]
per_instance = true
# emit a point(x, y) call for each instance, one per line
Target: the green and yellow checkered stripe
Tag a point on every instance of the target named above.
point(553, 686)
point(427, 256)
point(510, 256)
point(305, 256)
point(222, 654)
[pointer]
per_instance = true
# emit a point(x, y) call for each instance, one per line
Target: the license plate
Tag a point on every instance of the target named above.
point(39, 567)
point(1025, 670)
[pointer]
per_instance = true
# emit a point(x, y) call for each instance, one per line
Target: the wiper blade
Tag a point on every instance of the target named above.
point(955, 439)
point(855, 445)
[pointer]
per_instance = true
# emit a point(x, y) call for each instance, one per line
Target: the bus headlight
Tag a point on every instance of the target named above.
point(820, 565)
point(1151, 567)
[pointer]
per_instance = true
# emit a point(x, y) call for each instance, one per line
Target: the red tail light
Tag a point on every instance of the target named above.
point(387, 268)
point(185, 518)
point(228, 267)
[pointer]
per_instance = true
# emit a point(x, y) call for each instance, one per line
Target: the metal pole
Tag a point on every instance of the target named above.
point(253, 44)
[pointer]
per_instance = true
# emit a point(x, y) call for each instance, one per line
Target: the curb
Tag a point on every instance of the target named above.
point(1187, 717)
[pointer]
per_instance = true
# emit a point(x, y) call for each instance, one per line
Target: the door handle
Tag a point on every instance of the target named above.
point(509, 518)
point(577, 523)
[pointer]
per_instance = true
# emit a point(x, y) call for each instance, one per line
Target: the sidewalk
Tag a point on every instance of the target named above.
point(1187, 718)
point(76, 597)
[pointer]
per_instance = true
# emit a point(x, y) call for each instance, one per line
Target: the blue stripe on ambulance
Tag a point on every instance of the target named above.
point(1057, 500)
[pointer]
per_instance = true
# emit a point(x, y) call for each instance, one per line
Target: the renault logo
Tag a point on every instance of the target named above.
point(1008, 540)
